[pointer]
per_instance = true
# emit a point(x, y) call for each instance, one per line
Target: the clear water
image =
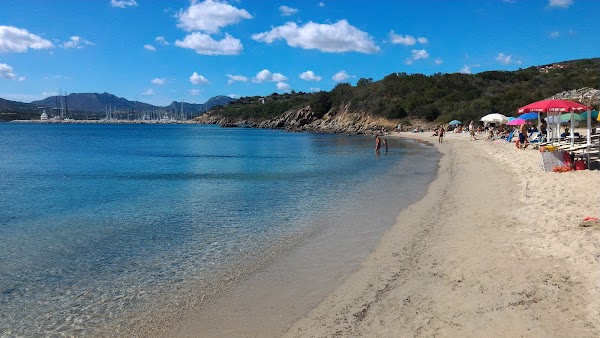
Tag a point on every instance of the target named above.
point(102, 223)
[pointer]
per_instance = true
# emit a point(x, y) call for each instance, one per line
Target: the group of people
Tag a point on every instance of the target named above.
point(378, 144)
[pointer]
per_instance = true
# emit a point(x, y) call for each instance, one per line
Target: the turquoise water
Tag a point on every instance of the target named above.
point(100, 223)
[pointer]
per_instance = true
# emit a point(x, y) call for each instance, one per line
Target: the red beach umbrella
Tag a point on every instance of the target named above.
point(546, 106)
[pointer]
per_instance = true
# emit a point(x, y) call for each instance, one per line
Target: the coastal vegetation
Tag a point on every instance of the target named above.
point(436, 98)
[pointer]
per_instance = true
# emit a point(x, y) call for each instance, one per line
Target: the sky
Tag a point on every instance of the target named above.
point(162, 51)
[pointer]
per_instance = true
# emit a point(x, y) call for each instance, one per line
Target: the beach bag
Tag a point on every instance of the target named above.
point(579, 165)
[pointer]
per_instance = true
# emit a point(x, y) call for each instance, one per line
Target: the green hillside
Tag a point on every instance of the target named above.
point(439, 97)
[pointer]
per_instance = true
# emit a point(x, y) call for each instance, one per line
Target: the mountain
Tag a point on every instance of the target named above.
point(13, 110)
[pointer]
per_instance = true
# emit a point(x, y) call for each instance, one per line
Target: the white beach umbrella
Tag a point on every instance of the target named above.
point(495, 118)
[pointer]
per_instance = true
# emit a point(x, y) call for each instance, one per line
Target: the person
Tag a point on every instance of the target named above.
point(385, 145)
point(472, 126)
point(440, 134)
point(472, 132)
point(377, 143)
point(543, 129)
point(522, 144)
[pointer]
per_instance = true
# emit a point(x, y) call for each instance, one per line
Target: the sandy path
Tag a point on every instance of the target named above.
point(494, 249)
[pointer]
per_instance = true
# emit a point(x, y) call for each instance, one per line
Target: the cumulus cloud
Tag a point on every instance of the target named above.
point(560, 3)
point(205, 45)
point(159, 81)
point(6, 72)
point(194, 92)
point(123, 3)
point(198, 79)
point(287, 11)
point(465, 69)
point(236, 78)
point(339, 37)
point(417, 54)
point(282, 86)
point(17, 40)
point(76, 42)
point(161, 40)
point(340, 76)
point(406, 40)
point(148, 92)
point(209, 16)
point(266, 76)
point(506, 59)
point(309, 75)
point(439, 61)
point(150, 48)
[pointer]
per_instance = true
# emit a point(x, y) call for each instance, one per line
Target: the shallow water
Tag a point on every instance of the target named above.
point(100, 224)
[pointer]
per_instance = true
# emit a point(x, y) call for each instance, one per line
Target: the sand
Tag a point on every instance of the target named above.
point(496, 248)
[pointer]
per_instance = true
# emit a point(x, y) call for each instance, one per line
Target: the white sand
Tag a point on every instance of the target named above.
point(494, 249)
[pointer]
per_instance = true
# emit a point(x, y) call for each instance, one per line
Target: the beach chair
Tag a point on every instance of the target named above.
point(510, 136)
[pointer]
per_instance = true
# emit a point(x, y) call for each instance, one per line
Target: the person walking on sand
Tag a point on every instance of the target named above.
point(440, 134)
point(522, 136)
point(472, 131)
point(377, 143)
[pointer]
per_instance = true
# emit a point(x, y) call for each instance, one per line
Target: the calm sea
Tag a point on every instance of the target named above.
point(100, 224)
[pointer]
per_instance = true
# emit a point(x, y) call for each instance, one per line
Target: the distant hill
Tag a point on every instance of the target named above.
point(95, 106)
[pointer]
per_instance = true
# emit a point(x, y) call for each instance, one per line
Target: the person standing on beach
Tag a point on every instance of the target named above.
point(377, 143)
point(440, 134)
point(522, 136)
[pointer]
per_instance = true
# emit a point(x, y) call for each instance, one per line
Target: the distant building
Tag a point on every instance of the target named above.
point(44, 116)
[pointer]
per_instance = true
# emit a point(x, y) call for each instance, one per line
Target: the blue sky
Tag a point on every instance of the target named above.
point(159, 51)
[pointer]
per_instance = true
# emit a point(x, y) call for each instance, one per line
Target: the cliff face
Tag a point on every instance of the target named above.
point(305, 119)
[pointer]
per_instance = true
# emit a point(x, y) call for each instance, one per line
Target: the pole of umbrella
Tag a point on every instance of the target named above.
point(589, 135)
point(572, 135)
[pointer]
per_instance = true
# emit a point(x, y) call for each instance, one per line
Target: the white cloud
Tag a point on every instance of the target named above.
point(340, 76)
point(149, 92)
point(123, 3)
point(17, 40)
point(417, 54)
point(339, 37)
point(6, 72)
point(209, 16)
point(161, 40)
point(506, 59)
point(265, 75)
point(194, 92)
point(150, 48)
point(21, 78)
point(465, 70)
point(309, 75)
point(287, 11)
point(315, 89)
point(198, 79)
point(321, 4)
point(159, 81)
point(76, 42)
point(205, 45)
point(402, 40)
point(234, 96)
point(236, 78)
point(554, 35)
point(48, 94)
point(422, 40)
point(560, 3)
point(439, 61)
point(283, 86)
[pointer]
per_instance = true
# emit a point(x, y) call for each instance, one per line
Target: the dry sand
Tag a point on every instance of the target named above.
point(494, 249)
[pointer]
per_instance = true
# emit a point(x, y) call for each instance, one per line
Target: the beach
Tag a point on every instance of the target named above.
point(495, 248)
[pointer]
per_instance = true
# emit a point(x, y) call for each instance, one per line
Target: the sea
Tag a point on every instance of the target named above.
point(105, 226)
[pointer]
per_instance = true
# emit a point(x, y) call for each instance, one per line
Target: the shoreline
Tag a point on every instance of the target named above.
point(495, 248)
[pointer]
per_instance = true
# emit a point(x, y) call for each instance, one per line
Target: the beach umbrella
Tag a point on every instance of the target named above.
point(529, 116)
point(510, 118)
point(516, 122)
point(495, 118)
point(454, 122)
point(594, 114)
point(575, 117)
point(556, 106)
